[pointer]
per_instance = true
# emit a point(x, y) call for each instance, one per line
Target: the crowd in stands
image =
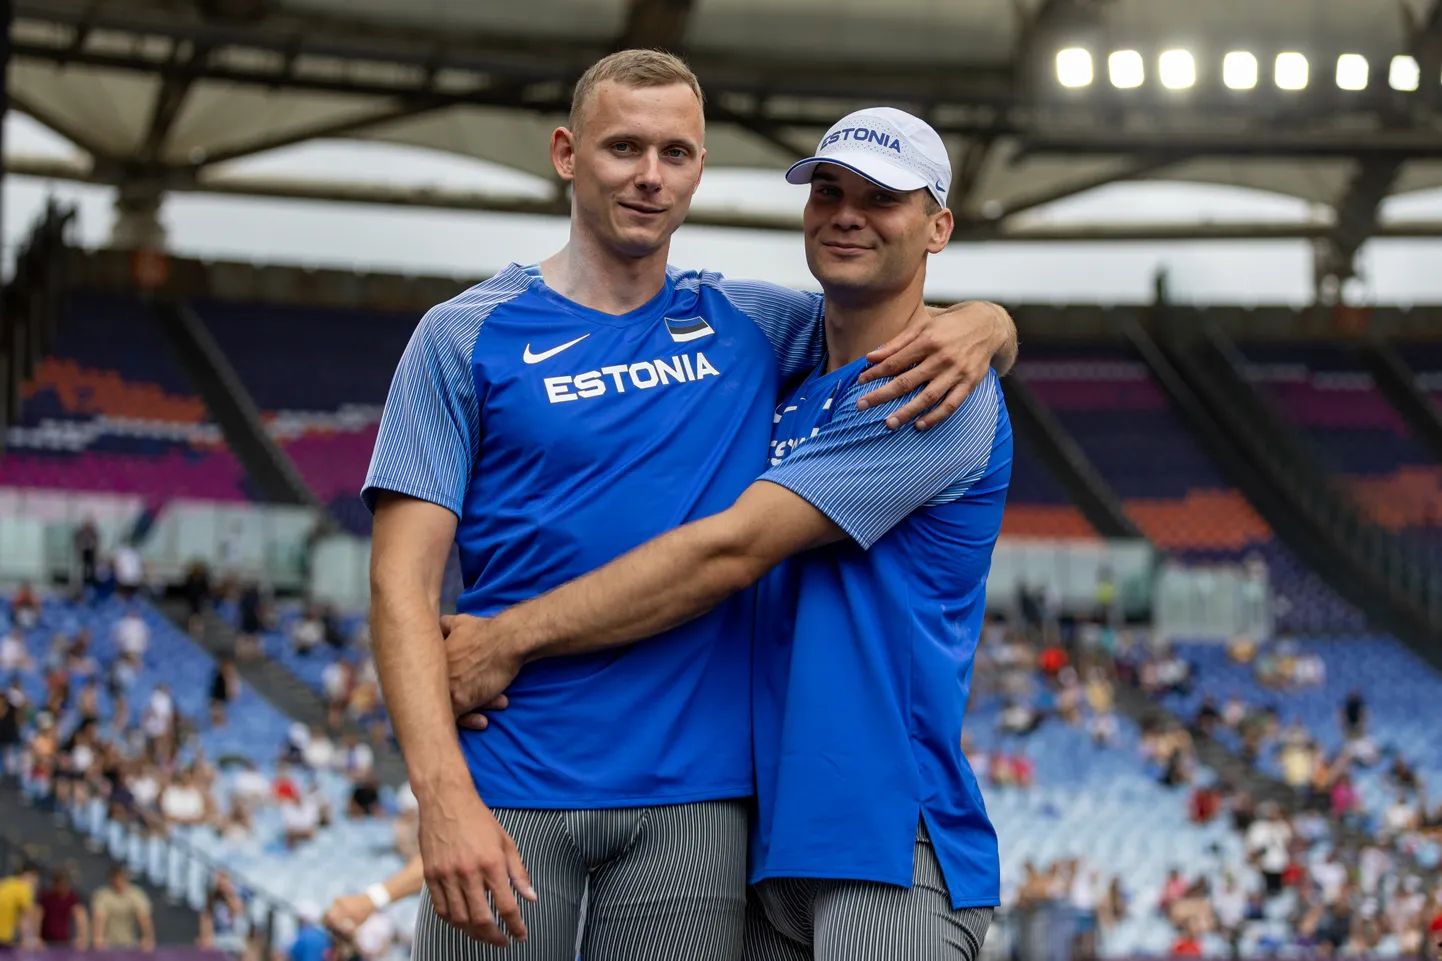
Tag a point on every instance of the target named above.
point(1321, 875)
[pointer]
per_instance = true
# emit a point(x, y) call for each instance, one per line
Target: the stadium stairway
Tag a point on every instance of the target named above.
point(51, 841)
point(1370, 567)
point(1398, 383)
point(1039, 430)
point(286, 692)
point(274, 474)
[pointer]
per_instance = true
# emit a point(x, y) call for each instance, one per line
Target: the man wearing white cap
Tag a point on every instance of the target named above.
point(871, 839)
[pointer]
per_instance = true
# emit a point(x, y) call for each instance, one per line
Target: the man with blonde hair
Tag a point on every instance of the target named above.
point(548, 421)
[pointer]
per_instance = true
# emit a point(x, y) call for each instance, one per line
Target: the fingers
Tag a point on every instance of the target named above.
point(473, 721)
point(480, 922)
point(954, 399)
point(916, 350)
point(448, 624)
point(498, 879)
point(516, 868)
point(498, 703)
point(886, 351)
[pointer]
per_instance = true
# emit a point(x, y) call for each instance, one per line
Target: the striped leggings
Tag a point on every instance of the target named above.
point(662, 883)
point(811, 919)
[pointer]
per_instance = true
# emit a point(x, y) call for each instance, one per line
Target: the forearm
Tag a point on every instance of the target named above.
point(407, 881)
point(410, 659)
point(662, 583)
point(1005, 356)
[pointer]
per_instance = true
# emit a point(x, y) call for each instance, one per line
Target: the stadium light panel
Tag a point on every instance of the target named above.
point(1074, 67)
point(1126, 69)
point(1291, 71)
point(1177, 69)
point(1239, 70)
point(1352, 71)
point(1405, 74)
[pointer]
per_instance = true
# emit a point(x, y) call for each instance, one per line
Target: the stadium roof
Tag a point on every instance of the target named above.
point(160, 94)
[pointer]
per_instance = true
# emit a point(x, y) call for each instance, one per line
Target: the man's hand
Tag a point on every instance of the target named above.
point(949, 353)
point(481, 661)
point(468, 855)
point(348, 912)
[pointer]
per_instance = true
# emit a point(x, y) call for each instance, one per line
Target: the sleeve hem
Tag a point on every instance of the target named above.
point(396, 486)
point(800, 487)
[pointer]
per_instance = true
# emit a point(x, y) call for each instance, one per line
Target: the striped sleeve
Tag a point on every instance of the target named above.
point(868, 478)
point(790, 319)
point(430, 430)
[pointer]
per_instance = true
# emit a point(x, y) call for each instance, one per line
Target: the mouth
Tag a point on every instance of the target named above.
point(645, 210)
point(843, 248)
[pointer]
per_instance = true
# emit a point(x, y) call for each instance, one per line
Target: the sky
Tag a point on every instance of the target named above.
point(470, 244)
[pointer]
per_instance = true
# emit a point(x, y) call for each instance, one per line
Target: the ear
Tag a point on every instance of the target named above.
point(563, 153)
point(941, 227)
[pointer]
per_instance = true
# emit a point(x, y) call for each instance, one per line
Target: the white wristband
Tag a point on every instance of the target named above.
point(379, 896)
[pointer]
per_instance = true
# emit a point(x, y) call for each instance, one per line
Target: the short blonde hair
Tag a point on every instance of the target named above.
point(632, 68)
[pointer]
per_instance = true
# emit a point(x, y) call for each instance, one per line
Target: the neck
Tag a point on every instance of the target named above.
point(597, 277)
point(857, 322)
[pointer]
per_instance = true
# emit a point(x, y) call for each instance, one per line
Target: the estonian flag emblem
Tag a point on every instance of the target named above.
point(688, 328)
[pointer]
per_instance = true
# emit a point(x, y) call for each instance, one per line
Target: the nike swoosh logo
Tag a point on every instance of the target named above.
point(531, 358)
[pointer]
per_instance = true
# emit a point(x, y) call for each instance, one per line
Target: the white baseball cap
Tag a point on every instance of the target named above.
point(889, 147)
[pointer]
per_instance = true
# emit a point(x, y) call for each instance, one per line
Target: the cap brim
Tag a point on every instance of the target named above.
point(873, 167)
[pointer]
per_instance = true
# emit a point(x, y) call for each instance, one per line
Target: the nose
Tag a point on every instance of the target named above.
point(847, 216)
point(648, 175)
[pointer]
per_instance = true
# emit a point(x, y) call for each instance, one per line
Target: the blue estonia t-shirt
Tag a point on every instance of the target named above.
point(562, 437)
point(864, 649)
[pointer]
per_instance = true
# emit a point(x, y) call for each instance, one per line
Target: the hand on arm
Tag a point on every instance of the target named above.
point(465, 851)
point(350, 911)
point(946, 355)
point(664, 582)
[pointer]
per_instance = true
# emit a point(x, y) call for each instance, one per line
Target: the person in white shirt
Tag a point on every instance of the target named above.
point(318, 753)
point(129, 571)
point(1330, 875)
point(14, 656)
point(301, 820)
point(1267, 840)
point(1399, 818)
point(132, 635)
point(183, 802)
point(250, 785)
point(155, 720)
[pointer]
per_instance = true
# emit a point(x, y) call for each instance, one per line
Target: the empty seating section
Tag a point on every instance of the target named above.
point(1325, 392)
point(1107, 400)
point(1036, 505)
point(110, 410)
point(328, 370)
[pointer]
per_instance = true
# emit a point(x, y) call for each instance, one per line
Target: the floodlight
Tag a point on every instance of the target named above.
point(1177, 69)
point(1126, 69)
point(1352, 71)
point(1074, 67)
point(1239, 70)
point(1405, 74)
point(1291, 71)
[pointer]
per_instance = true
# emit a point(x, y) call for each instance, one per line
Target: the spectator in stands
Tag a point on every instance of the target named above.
point(129, 571)
point(25, 606)
point(75, 763)
point(158, 722)
point(87, 549)
point(1206, 804)
point(14, 655)
point(1019, 719)
point(78, 660)
point(1173, 888)
point(122, 914)
point(365, 799)
point(12, 719)
point(184, 804)
point(1229, 907)
point(237, 824)
point(283, 788)
point(132, 636)
point(252, 620)
point(63, 918)
point(198, 597)
point(1399, 819)
point(222, 920)
point(1354, 716)
point(224, 689)
point(311, 943)
point(44, 750)
point(337, 680)
point(357, 758)
point(19, 915)
point(1267, 842)
point(308, 631)
point(319, 752)
point(301, 819)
